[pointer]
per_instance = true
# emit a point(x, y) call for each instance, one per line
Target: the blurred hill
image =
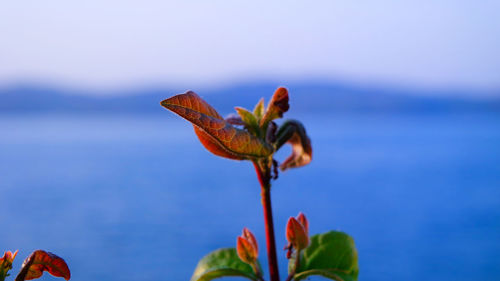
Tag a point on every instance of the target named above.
point(305, 97)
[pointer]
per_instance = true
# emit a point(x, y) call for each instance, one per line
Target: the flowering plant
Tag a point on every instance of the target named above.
point(254, 136)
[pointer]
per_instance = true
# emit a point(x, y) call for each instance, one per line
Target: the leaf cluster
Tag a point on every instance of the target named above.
point(249, 135)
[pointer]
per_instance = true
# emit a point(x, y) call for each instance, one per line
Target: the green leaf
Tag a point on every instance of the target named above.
point(332, 255)
point(221, 263)
point(331, 274)
point(258, 110)
point(249, 119)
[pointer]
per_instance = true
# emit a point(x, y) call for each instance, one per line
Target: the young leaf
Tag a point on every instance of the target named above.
point(249, 120)
point(294, 133)
point(276, 107)
point(222, 263)
point(258, 110)
point(40, 261)
point(217, 135)
point(332, 255)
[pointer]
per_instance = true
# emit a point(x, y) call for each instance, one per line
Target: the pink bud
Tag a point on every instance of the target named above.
point(303, 220)
point(296, 234)
point(246, 247)
point(247, 234)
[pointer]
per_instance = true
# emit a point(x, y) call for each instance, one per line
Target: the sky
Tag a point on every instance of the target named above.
point(119, 44)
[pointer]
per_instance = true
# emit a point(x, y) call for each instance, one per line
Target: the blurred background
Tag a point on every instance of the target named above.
point(401, 100)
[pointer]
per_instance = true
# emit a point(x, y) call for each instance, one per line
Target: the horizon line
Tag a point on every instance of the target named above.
point(135, 89)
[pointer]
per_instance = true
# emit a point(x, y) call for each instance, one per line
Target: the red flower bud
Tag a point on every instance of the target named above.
point(297, 232)
point(246, 247)
point(303, 220)
point(247, 234)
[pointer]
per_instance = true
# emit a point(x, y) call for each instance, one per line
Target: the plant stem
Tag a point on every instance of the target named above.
point(297, 261)
point(264, 176)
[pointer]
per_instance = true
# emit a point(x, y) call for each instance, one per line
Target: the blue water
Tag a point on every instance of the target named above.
point(138, 198)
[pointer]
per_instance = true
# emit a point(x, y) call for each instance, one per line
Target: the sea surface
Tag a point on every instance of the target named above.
point(136, 197)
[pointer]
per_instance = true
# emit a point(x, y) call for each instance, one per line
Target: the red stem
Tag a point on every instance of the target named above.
point(264, 176)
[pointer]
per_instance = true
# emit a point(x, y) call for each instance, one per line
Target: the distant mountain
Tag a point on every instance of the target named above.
point(305, 97)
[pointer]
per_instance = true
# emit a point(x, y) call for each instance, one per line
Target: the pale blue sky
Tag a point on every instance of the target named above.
point(116, 44)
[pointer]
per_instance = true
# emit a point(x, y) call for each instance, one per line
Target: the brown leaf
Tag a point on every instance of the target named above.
point(40, 261)
point(216, 134)
point(301, 153)
point(294, 133)
point(276, 107)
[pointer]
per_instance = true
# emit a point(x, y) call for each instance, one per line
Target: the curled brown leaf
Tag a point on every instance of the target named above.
point(217, 135)
point(276, 107)
point(294, 133)
point(40, 261)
